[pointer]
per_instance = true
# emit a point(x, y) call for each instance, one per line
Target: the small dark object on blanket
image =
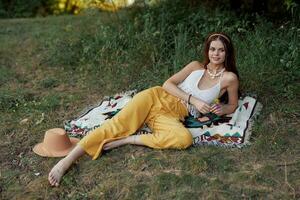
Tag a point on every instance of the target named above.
point(205, 120)
point(111, 114)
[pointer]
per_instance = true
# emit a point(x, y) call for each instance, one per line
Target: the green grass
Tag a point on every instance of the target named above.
point(52, 68)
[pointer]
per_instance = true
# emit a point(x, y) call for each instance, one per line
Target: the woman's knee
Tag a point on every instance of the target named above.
point(148, 94)
point(185, 139)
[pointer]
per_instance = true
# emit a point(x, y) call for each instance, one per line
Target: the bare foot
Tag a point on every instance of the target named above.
point(116, 143)
point(58, 171)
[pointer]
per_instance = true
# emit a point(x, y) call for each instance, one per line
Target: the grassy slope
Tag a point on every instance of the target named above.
point(54, 67)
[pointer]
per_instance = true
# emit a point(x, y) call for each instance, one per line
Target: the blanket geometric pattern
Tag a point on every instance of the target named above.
point(229, 131)
point(234, 133)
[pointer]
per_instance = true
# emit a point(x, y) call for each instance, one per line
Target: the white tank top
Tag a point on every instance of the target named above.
point(190, 86)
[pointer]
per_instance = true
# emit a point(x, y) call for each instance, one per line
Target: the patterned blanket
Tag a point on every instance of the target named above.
point(228, 131)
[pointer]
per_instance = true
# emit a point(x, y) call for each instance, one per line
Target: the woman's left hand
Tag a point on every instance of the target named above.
point(217, 109)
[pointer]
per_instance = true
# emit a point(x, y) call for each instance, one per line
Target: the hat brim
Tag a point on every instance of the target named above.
point(41, 150)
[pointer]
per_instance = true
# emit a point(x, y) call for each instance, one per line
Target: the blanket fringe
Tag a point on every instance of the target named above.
point(251, 121)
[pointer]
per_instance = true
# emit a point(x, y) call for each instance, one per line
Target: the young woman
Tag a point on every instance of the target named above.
point(190, 91)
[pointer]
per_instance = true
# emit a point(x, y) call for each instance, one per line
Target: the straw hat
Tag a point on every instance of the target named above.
point(56, 143)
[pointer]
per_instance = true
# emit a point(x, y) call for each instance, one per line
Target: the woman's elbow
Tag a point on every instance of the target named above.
point(165, 84)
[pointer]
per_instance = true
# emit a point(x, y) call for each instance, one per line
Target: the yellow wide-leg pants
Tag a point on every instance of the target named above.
point(159, 109)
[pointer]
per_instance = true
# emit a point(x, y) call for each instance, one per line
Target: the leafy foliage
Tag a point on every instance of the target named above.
point(23, 8)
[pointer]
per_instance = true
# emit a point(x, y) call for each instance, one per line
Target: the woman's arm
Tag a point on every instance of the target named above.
point(170, 86)
point(232, 83)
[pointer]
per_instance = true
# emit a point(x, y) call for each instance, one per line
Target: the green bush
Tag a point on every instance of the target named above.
point(272, 8)
point(156, 42)
point(23, 8)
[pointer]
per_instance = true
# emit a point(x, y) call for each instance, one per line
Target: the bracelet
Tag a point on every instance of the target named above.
point(189, 99)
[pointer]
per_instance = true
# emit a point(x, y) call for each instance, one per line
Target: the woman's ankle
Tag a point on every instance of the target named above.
point(66, 163)
point(75, 154)
point(133, 139)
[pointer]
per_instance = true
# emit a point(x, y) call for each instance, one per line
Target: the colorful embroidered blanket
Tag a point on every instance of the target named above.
point(234, 133)
point(228, 131)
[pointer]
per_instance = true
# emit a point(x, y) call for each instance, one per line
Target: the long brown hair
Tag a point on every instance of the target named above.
point(229, 62)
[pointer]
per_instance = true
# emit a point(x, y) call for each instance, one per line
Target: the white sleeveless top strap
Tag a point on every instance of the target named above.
point(190, 86)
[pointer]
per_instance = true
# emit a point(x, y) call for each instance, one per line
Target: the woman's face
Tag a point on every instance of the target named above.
point(216, 52)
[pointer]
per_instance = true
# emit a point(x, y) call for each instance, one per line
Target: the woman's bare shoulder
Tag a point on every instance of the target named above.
point(196, 65)
point(230, 77)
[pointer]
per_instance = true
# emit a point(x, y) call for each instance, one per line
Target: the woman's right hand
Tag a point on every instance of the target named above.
point(200, 105)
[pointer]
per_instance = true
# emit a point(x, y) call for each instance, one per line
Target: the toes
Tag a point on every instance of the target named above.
point(56, 173)
point(53, 177)
point(51, 180)
point(54, 182)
